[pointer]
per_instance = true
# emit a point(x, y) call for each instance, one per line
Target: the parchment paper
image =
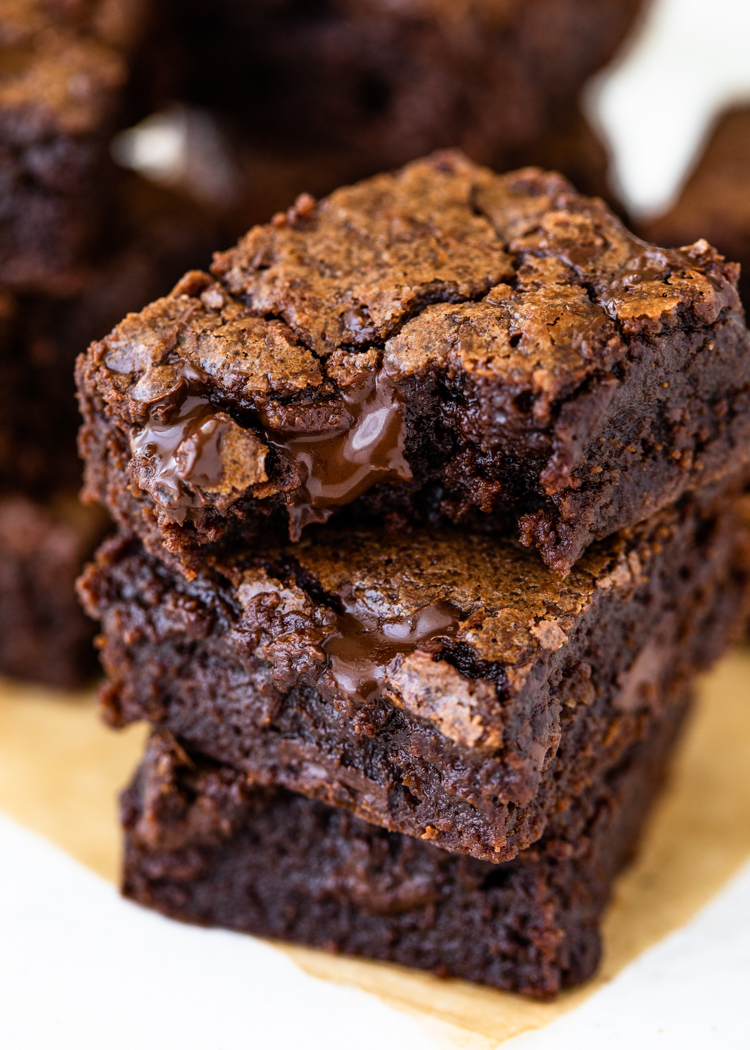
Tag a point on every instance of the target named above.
point(60, 771)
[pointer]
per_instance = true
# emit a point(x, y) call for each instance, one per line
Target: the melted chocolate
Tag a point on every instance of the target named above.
point(364, 647)
point(181, 443)
point(186, 448)
point(339, 465)
point(180, 448)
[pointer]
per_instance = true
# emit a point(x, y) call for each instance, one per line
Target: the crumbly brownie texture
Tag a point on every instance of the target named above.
point(383, 82)
point(439, 684)
point(204, 844)
point(715, 200)
point(438, 343)
point(43, 634)
point(63, 73)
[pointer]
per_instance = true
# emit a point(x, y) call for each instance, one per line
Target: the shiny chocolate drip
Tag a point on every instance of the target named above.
point(364, 647)
point(339, 465)
point(179, 449)
point(186, 448)
point(180, 443)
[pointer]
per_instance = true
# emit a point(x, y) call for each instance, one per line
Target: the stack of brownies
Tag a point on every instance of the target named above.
point(429, 511)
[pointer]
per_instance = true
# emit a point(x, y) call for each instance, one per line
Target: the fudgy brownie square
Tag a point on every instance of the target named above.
point(439, 684)
point(44, 635)
point(204, 844)
point(438, 344)
point(715, 199)
point(64, 70)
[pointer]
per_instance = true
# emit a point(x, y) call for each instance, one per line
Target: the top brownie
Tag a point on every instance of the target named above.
point(438, 343)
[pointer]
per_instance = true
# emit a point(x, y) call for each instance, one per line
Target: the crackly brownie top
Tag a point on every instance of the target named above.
point(433, 621)
point(512, 283)
point(61, 62)
point(370, 614)
point(506, 603)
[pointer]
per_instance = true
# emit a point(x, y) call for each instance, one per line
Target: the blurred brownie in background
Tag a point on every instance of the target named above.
point(64, 72)
point(43, 634)
point(45, 535)
point(715, 202)
point(330, 91)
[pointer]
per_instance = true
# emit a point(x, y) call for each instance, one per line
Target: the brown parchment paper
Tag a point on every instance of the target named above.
point(60, 771)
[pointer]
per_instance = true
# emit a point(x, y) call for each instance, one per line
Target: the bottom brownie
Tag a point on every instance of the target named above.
point(43, 633)
point(205, 845)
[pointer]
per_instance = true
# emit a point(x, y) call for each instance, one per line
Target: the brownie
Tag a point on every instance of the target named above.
point(440, 684)
point(715, 202)
point(204, 844)
point(439, 344)
point(64, 72)
point(44, 542)
point(153, 235)
point(44, 635)
point(377, 83)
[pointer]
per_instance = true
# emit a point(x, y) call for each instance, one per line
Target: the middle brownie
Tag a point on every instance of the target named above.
point(438, 684)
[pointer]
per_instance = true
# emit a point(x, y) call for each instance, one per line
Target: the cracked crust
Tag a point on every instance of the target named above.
point(558, 378)
point(555, 678)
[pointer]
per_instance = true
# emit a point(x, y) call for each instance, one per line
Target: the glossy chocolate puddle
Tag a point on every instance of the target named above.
point(364, 647)
point(180, 447)
point(339, 465)
point(185, 449)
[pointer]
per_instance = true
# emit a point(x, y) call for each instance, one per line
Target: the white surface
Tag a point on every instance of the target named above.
point(655, 106)
point(81, 969)
point(690, 991)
